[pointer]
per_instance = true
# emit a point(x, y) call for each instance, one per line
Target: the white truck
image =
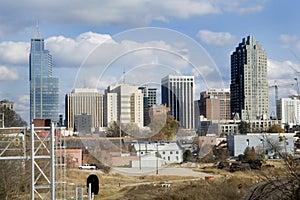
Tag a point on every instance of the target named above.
point(87, 166)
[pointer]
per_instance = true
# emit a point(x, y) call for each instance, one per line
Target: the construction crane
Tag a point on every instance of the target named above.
point(276, 96)
point(275, 86)
point(276, 91)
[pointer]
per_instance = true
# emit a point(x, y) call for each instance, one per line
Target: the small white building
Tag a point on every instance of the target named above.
point(148, 161)
point(171, 152)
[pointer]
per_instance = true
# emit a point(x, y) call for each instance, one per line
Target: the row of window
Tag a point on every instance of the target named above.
point(171, 152)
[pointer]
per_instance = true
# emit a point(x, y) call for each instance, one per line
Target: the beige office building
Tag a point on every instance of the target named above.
point(83, 101)
point(124, 103)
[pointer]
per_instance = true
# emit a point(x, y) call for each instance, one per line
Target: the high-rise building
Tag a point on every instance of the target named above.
point(178, 95)
point(152, 96)
point(288, 111)
point(44, 91)
point(85, 102)
point(110, 111)
point(149, 101)
point(249, 82)
point(214, 104)
point(124, 103)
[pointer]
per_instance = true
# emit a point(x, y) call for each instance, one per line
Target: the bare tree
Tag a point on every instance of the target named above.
point(14, 180)
point(279, 184)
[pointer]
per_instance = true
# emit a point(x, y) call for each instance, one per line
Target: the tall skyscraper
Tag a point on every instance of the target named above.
point(125, 102)
point(44, 91)
point(249, 81)
point(82, 102)
point(178, 95)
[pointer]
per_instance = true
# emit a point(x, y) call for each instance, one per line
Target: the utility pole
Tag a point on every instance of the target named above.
point(156, 158)
point(120, 135)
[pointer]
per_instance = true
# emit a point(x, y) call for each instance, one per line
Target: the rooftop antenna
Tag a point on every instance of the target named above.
point(37, 31)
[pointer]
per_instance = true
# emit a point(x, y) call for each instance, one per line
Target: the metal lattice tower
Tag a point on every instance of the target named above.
point(48, 170)
point(47, 158)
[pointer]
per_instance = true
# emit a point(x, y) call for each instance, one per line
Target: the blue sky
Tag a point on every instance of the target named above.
point(187, 37)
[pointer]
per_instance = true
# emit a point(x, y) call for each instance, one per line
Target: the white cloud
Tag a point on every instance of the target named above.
point(203, 71)
point(101, 53)
point(14, 53)
point(285, 38)
point(122, 12)
point(250, 9)
point(291, 42)
point(21, 106)
point(288, 41)
point(282, 70)
point(185, 9)
point(241, 7)
point(68, 52)
point(130, 13)
point(22, 103)
point(7, 74)
point(283, 74)
point(216, 38)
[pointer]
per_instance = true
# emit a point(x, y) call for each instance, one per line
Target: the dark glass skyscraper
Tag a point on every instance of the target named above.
point(249, 81)
point(44, 96)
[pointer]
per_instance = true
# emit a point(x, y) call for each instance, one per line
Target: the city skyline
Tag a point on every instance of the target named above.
point(72, 36)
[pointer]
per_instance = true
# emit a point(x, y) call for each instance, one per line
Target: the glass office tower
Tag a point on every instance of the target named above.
point(178, 95)
point(44, 96)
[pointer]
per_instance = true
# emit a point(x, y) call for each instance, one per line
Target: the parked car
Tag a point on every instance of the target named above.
point(97, 166)
point(87, 166)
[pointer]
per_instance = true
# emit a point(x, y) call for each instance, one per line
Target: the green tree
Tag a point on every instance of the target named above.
point(244, 127)
point(168, 130)
point(276, 128)
point(113, 130)
point(11, 118)
point(250, 154)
